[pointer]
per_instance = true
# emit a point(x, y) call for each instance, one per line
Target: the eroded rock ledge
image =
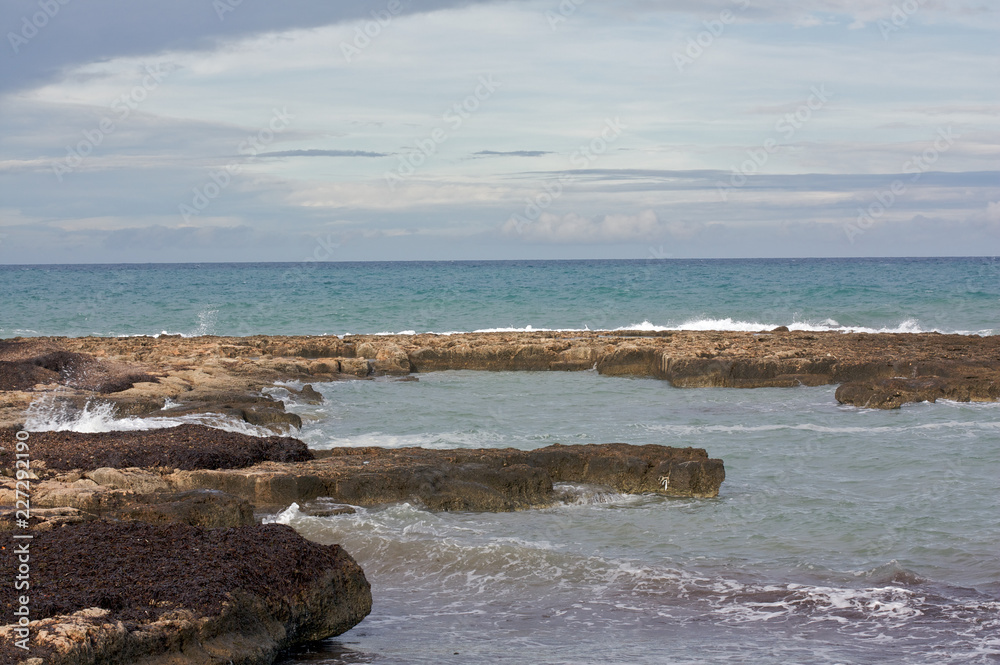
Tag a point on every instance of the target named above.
point(474, 479)
point(173, 594)
point(158, 484)
point(227, 374)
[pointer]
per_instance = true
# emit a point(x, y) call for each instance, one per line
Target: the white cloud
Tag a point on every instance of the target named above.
point(572, 228)
point(993, 212)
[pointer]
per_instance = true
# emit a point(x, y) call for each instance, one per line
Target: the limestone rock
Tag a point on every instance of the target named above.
point(465, 479)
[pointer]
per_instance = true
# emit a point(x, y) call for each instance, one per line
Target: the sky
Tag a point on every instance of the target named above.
point(258, 130)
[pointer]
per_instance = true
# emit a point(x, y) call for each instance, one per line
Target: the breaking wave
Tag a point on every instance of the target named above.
point(51, 414)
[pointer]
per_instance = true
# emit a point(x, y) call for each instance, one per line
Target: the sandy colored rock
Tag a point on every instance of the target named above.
point(193, 372)
point(466, 479)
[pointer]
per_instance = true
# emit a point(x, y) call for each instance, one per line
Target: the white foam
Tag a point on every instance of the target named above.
point(285, 516)
point(828, 325)
point(709, 324)
point(52, 415)
point(571, 494)
point(443, 440)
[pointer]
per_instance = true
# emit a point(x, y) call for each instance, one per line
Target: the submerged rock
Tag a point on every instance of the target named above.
point(178, 595)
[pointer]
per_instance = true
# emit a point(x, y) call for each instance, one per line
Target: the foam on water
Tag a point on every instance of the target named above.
point(726, 324)
point(829, 325)
point(51, 414)
point(836, 537)
point(465, 567)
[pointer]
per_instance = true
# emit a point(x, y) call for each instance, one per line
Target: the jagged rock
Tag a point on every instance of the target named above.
point(180, 595)
point(893, 393)
point(56, 502)
point(356, 366)
point(43, 519)
point(25, 364)
point(269, 416)
point(209, 509)
point(308, 394)
point(132, 480)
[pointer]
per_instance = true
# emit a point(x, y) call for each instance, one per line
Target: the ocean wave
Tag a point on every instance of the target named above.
point(319, 440)
point(460, 560)
point(50, 414)
point(963, 426)
point(828, 325)
point(910, 326)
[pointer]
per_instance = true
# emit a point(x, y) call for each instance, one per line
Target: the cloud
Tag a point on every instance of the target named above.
point(93, 30)
point(324, 153)
point(993, 212)
point(574, 229)
point(512, 153)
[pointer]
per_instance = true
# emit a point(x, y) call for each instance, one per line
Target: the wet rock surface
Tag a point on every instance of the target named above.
point(133, 592)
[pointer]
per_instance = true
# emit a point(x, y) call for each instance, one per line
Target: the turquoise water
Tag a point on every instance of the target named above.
point(840, 535)
point(909, 295)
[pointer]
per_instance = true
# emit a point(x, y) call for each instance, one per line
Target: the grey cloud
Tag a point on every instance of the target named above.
point(512, 153)
point(653, 179)
point(324, 153)
point(91, 30)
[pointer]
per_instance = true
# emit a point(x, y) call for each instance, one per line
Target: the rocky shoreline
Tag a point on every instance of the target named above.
point(208, 483)
point(175, 376)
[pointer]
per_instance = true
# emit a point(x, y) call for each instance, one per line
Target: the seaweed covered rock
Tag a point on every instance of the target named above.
point(26, 364)
point(182, 447)
point(127, 592)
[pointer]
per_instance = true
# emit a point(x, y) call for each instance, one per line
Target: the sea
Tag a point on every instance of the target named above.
point(841, 535)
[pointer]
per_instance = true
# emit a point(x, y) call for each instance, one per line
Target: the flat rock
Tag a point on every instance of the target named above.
point(466, 479)
point(194, 372)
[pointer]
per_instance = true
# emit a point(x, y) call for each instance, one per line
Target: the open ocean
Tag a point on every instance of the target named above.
point(840, 535)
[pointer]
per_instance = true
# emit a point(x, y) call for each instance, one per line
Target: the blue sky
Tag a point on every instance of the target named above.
point(396, 130)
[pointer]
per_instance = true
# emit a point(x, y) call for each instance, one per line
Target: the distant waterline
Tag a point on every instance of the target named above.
point(865, 295)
